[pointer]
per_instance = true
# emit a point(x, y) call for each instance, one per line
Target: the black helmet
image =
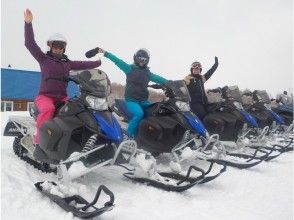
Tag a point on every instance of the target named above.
point(141, 56)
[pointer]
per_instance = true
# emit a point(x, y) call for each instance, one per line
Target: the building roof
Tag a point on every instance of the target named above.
point(23, 84)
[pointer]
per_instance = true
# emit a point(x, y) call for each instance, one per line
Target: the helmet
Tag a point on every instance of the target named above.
point(195, 65)
point(142, 56)
point(58, 39)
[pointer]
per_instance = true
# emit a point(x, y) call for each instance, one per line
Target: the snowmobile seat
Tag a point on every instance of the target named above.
point(34, 111)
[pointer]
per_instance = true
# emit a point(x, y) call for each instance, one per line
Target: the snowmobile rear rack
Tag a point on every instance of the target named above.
point(78, 205)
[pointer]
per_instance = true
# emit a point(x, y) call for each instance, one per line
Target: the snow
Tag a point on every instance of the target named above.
point(262, 192)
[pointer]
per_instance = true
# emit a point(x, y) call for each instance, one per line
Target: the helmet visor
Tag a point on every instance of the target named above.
point(143, 60)
point(58, 44)
point(196, 66)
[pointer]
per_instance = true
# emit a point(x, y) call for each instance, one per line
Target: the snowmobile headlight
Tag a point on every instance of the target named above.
point(183, 106)
point(238, 105)
point(97, 103)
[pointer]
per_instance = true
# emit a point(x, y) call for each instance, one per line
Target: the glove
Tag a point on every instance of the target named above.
point(188, 79)
point(216, 59)
point(92, 52)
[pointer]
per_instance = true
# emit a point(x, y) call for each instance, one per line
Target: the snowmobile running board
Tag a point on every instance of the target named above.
point(77, 204)
point(172, 181)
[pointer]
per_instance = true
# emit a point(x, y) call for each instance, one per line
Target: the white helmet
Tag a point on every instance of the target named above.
point(56, 37)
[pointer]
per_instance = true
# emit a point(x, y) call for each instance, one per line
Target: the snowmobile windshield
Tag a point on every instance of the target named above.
point(180, 90)
point(233, 93)
point(247, 98)
point(214, 96)
point(261, 96)
point(94, 82)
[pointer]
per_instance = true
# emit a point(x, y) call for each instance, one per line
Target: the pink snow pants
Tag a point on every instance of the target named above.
point(46, 108)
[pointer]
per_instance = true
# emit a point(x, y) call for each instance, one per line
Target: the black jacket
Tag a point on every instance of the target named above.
point(196, 85)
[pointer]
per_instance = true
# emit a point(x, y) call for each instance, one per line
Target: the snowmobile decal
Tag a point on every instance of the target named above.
point(278, 118)
point(195, 123)
point(113, 131)
point(13, 129)
point(249, 118)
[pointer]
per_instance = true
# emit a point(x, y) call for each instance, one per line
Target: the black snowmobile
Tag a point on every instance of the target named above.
point(170, 127)
point(256, 107)
point(286, 112)
point(259, 106)
point(222, 116)
point(83, 135)
point(238, 130)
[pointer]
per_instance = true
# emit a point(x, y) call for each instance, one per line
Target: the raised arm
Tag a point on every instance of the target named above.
point(30, 42)
point(157, 79)
point(126, 68)
point(209, 73)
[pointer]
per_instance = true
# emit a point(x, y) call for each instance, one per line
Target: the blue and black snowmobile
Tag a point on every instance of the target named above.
point(257, 103)
point(170, 127)
point(285, 111)
point(83, 134)
point(226, 109)
point(236, 127)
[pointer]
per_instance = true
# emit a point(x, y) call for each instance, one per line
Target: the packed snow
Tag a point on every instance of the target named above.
point(264, 192)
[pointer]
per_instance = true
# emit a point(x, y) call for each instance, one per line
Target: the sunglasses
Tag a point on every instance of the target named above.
point(142, 59)
point(196, 67)
point(58, 45)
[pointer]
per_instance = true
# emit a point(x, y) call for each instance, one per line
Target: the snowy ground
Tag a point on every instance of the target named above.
point(263, 192)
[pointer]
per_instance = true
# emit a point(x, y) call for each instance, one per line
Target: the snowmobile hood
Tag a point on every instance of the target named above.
point(278, 118)
point(195, 123)
point(249, 118)
point(111, 130)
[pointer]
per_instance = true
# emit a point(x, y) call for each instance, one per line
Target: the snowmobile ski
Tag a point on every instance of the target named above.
point(175, 182)
point(77, 204)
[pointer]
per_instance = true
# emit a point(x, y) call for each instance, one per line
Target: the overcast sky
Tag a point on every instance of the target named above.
point(252, 38)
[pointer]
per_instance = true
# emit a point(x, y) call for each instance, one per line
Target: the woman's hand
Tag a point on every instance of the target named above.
point(28, 16)
point(101, 50)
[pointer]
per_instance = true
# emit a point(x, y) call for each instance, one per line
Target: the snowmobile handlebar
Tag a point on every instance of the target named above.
point(92, 52)
point(167, 90)
point(155, 86)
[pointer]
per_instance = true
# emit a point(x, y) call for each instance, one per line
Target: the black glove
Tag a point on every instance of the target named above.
point(92, 52)
point(216, 59)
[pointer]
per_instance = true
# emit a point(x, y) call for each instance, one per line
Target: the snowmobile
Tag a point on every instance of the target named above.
point(81, 137)
point(285, 111)
point(239, 131)
point(279, 137)
point(82, 129)
point(84, 135)
point(169, 127)
point(260, 107)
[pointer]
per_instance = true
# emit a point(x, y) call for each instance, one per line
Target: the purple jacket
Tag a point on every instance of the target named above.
point(52, 67)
